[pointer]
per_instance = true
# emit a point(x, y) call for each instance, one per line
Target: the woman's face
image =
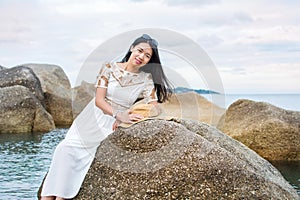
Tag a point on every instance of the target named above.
point(141, 54)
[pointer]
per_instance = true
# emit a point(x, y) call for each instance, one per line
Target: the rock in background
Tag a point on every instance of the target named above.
point(159, 159)
point(272, 132)
point(57, 91)
point(21, 111)
point(191, 105)
point(34, 98)
point(22, 76)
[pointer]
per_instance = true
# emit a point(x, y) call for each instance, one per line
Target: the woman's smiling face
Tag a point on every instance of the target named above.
point(141, 54)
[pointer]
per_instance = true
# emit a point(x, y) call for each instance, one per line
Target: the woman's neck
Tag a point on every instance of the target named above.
point(130, 68)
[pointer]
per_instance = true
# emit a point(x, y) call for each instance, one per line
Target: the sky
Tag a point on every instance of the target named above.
point(254, 45)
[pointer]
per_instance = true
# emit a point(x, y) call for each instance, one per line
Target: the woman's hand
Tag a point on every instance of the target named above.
point(128, 117)
point(115, 125)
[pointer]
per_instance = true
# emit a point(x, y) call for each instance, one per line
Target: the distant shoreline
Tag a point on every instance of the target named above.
point(179, 90)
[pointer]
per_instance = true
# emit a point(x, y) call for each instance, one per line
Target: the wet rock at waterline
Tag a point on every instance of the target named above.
point(21, 111)
point(34, 97)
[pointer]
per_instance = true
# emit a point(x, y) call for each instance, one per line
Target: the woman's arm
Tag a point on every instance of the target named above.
point(101, 103)
point(126, 116)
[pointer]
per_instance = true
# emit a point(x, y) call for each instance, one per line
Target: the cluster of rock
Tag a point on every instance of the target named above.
point(159, 159)
point(274, 133)
point(180, 159)
point(37, 97)
point(147, 161)
point(34, 98)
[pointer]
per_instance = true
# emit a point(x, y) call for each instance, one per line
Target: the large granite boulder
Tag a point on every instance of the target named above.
point(21, 111)
point(159, 159)
point(22, 76)
point(272, 132)
point(57, 91)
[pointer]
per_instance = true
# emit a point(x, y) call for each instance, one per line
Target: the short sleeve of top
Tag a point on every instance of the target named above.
point(141, 85)
point(149, 93)
point(103, 76)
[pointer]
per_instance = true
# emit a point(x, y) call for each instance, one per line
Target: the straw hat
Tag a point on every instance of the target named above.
point(148, 111)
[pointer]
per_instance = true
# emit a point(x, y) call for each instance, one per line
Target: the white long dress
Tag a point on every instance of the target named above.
point(73, 155)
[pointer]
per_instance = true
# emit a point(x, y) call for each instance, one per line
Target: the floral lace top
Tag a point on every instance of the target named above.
point(123, 87)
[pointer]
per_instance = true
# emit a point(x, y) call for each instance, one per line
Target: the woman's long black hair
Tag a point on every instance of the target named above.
point(163, 87)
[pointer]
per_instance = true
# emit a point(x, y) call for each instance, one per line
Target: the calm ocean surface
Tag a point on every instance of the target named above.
point(25, 158)
point(286, 101)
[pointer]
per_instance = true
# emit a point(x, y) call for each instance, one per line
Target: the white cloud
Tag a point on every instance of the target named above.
point(246, 40)
point(263, 78)
point(190, 3)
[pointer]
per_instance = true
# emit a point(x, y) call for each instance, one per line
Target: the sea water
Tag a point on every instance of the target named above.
point(25, 158)
point(24, 161)
point(285, 101)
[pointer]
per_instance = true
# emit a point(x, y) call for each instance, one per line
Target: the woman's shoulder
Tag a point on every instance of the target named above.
point(112, 65)
point(108, 66)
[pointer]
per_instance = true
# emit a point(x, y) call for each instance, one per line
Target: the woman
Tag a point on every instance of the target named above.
point(118, 86)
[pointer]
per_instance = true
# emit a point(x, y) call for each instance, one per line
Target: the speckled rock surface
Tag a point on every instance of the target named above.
point(159, 159)
point(57, 91)
point(21, 111)
point(22, 76)
point(272, 132)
